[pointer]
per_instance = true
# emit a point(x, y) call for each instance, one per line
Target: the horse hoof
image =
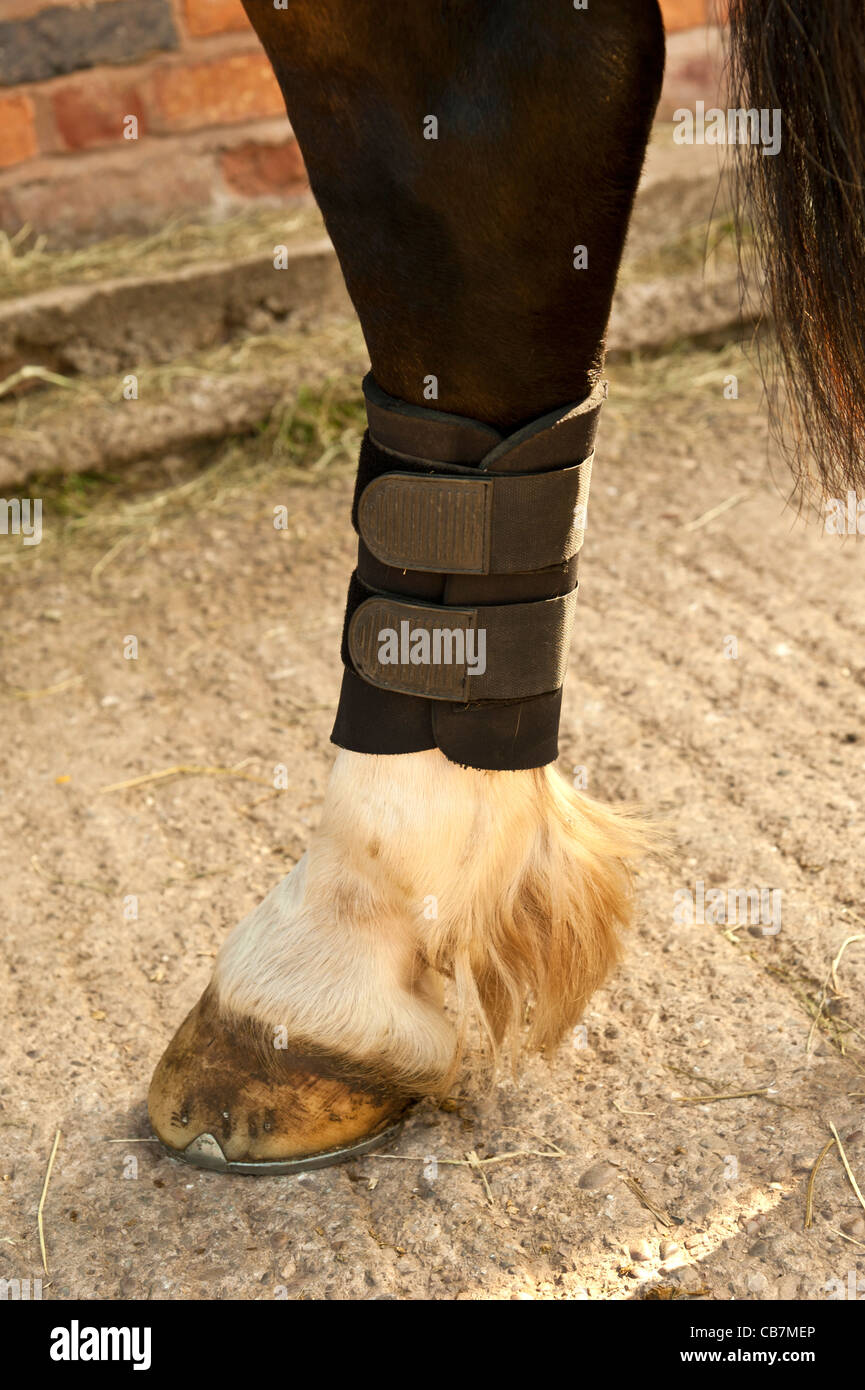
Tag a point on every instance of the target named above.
point(224, 1097)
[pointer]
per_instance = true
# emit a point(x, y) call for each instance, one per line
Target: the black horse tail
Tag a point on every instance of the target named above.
point(806, 205)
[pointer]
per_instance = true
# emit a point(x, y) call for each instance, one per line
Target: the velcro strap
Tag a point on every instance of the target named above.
point(480, 524)
point(506, 652)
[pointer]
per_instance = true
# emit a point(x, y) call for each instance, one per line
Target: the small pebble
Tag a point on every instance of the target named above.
point(599, 1175)
point(761, 1247)
point(757, 1283)
point(688, 1276)
point(640, 1251)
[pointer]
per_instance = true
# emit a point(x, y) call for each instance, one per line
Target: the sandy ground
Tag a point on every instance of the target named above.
point(114, 902)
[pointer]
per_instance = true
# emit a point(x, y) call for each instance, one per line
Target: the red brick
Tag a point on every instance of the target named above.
point(92, 113)
point(239, 88)
point(109, 192)
point(205, 17)
point(684, 14)
point(19, 130)
point(25, 9)
point(79, 37)
point(255, 170)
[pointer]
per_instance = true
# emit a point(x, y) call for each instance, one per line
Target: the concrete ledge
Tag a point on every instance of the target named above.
point(205, 407)
point(116, 325)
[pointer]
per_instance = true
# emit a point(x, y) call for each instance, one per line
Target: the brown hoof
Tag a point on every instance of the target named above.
point(223, 1097)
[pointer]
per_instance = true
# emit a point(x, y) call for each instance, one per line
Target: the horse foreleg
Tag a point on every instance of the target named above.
point(476, 166)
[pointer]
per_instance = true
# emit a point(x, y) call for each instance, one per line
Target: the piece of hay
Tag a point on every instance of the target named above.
point(847, 1168)
point(185, 770)
point(731, 1095)
point(41, 1207)
point(809, 1195)
point(641, 1196)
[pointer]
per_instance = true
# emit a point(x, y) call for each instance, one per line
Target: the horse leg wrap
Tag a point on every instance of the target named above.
point(461, 609)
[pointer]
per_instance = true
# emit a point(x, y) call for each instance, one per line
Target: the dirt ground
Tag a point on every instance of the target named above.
point(717, 677)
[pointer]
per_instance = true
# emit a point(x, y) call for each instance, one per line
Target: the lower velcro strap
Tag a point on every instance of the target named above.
point(466, 655)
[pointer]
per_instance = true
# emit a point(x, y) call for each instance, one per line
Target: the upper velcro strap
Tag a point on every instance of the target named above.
point(554, 440)
point(507, 652)
point(481, 524)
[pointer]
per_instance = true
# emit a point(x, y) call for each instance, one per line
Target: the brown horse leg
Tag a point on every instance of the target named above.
point(461, 154)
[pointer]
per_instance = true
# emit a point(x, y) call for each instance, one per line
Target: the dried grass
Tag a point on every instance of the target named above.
point(28, 263)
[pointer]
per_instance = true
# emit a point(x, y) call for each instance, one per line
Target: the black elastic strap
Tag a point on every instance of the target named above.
point(496, 652)
point(483, 524)
point(454, 492)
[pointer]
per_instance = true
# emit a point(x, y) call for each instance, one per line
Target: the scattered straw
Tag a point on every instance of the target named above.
point(732, 1095)
point(846, 1237)
point(185, 770)
point(831, 979)
point(672, 1292)
point(30, 263)
point(34, 373)
point(42, 1201)
point(809, 1195)
point(847, 1168)
point(151, 1140)
point(477, 1165)
point(108, 557)
point(108, 890)
point(306, 433)
point(647, 1202)
point(650, 1114)
point(797, 986)
point(707, 247)
point(67, 684)
point(259, 801)
point(714, 512)
point(837, 961)
point(818, 1014)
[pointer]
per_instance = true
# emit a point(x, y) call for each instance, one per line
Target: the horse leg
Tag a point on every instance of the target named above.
point(324, 1014)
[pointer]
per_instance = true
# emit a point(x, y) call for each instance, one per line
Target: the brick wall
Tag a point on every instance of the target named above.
point(115, 114)
point(209, 127)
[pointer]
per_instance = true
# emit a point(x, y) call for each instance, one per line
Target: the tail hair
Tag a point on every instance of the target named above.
point(806, 207)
